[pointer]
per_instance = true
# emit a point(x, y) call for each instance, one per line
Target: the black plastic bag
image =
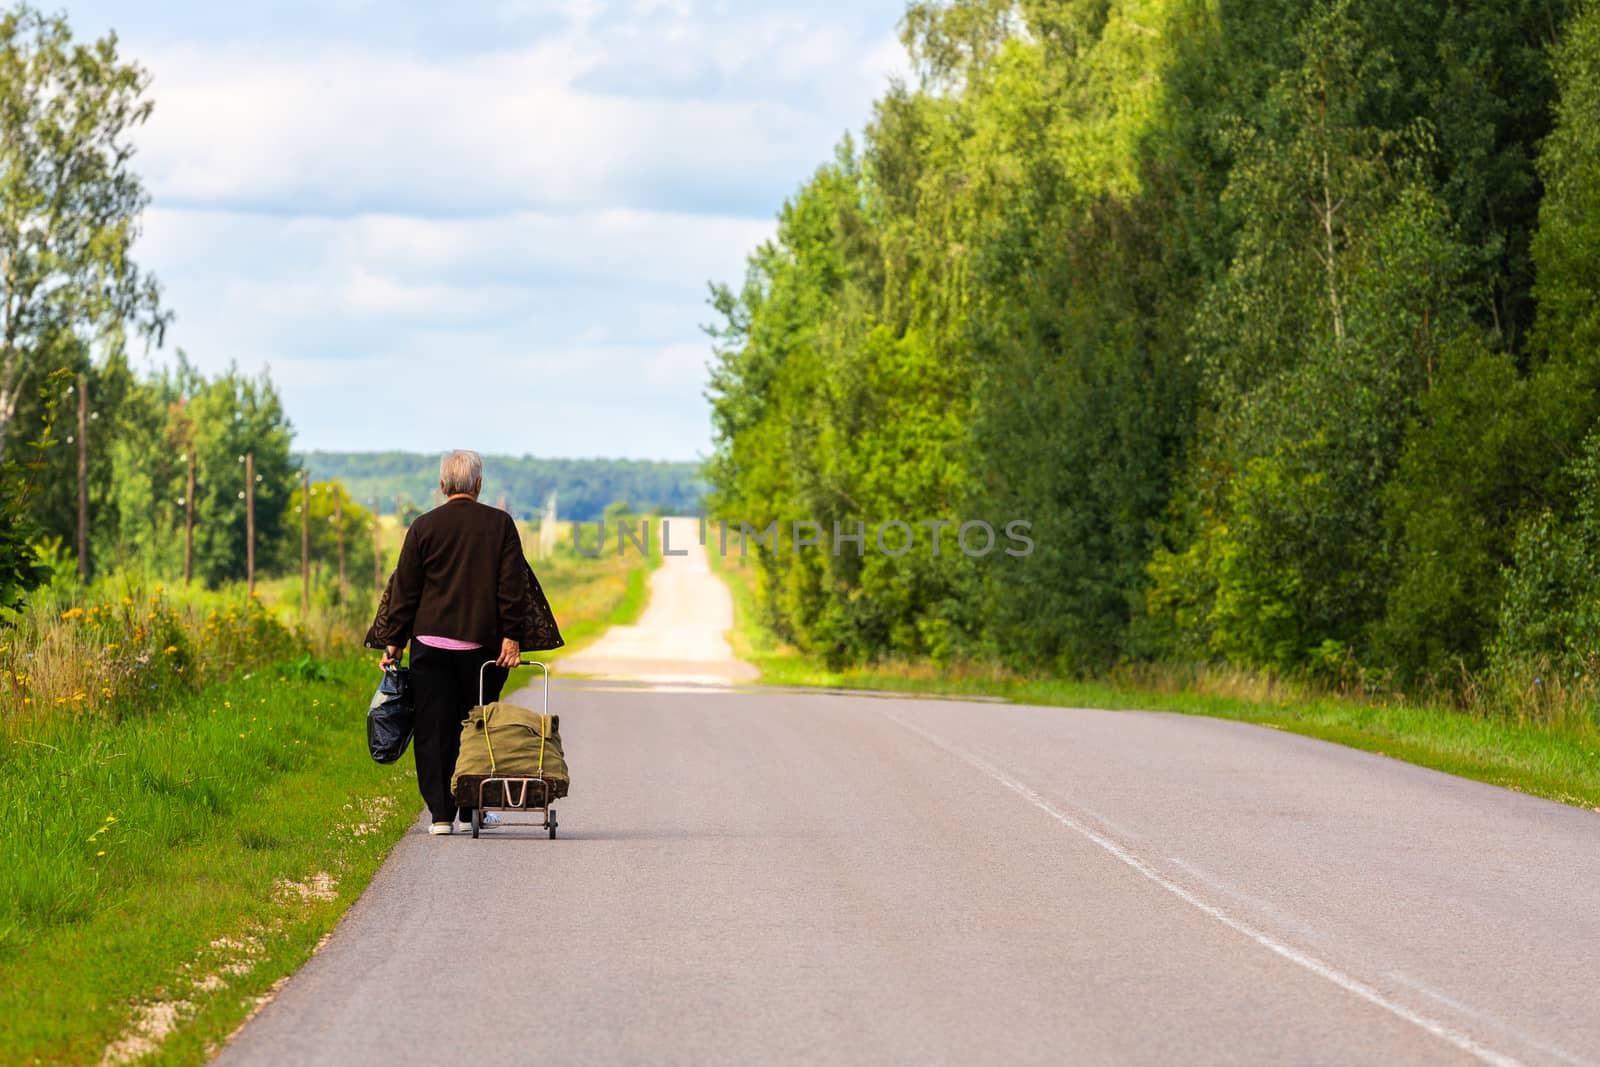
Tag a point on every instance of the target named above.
point(390, 717)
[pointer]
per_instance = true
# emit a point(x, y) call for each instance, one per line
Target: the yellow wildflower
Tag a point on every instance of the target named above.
point(104, 691)
point(5, 648)
point(128, 601)
point(170, 649)
point(99, 853)
point(227, 703)
point(111, 818)
point(72, 613)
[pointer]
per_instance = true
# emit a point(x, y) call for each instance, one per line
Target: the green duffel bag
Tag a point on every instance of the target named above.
point(509, 740)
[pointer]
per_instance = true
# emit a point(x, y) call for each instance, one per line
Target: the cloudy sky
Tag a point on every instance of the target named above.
point(487, 225)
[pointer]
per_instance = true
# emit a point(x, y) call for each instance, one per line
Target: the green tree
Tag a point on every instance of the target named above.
point(142, 523)
point(115, 404)
point(21, 566)
point(1569, 215)
point(1324, 330)
point(233, 415)
point(1233, 302)
point(69, 203)
point(1549, 617)
point(1499, 433)
point(334, 514)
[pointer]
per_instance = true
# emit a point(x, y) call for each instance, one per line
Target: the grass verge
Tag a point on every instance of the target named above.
point(161, 870)
point(1559, 761)
point(159, 875)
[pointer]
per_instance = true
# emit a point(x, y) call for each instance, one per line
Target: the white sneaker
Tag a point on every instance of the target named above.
point(491, 820)
point(441, 828)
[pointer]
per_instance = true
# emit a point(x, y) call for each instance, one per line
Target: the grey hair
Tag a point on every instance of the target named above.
point(460, 471)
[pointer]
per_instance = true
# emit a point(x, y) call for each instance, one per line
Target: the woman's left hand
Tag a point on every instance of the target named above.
point(510, 654)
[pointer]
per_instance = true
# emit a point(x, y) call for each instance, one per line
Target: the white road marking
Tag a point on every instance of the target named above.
point(1260, 907)
point(1465, 1042)
point(1553, 1051)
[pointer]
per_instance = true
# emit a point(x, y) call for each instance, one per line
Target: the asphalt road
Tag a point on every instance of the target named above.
point(769, 878)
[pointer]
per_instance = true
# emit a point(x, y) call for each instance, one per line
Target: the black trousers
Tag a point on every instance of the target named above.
point(444, 688)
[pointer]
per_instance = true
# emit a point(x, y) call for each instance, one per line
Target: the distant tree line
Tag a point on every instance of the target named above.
point(584, 487)
point(1280, 321)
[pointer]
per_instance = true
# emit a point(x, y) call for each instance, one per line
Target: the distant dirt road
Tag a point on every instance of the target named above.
point(680, 637)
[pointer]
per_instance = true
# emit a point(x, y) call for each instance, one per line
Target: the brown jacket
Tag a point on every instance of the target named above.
point(461, 574)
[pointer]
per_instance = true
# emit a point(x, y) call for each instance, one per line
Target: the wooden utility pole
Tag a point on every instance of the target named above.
point(377, 549)
point(188, 523)
point(250, 520)
point(338, 532)
point(83, 476)
point(305, 545)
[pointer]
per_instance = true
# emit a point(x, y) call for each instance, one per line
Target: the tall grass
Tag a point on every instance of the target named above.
point(127, 645)
point(1531, 694)
point(121, 651)
point(89, 806)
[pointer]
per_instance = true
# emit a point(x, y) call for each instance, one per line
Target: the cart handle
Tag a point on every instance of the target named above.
point(483, 672)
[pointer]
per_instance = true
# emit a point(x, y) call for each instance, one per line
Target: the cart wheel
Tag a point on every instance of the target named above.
point(477, 821)
point(551, 818)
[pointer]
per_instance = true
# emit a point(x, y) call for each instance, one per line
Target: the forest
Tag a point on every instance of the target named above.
point(584, 488)
point(1279, 320)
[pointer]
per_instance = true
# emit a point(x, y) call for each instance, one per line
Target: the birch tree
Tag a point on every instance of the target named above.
point(69, 201)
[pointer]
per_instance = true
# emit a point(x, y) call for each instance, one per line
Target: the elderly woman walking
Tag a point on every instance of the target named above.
point(462, 594)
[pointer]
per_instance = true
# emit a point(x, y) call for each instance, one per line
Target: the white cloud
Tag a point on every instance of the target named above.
point(505, 244)
point(889, 62)
point(543, 311)
point(446, 392)
point(516, 249)
point(732, 114)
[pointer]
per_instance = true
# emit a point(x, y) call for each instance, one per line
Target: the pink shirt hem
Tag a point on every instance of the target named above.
point(448, 644)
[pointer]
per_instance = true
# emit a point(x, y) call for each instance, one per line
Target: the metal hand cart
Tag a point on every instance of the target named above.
point(517, 793)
